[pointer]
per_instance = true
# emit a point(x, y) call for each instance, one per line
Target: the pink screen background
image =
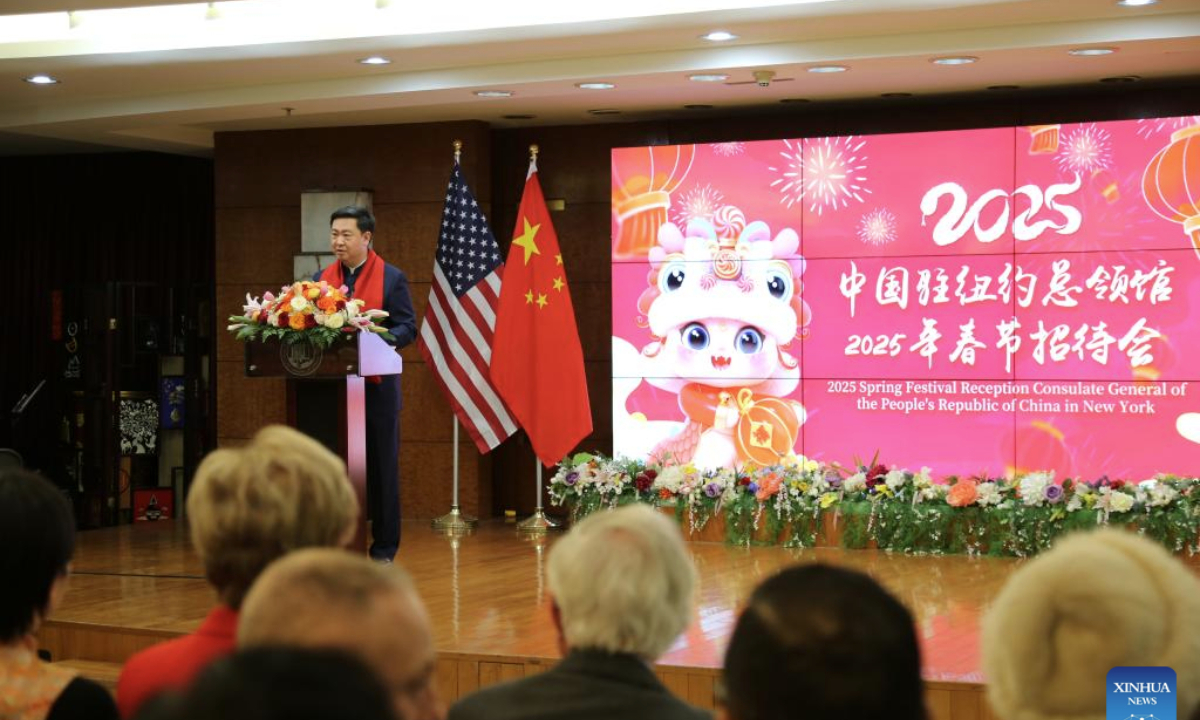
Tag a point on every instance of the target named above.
point(1124, 267)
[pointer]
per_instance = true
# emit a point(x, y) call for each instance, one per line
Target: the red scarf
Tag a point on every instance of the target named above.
point(368, 287)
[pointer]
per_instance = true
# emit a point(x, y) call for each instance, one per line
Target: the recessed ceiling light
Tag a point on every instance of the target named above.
point(42, 80)
point(1121, 79)
point(794, 101)
point(1004, 87)
point(595, 86)
point(697, 107)
point(493, 93)
point(719, 36)
point(1135, 3)
point(518, 117)
point(374, 60)
point(1090, 52)
point(955, 60)
point(713, 77)
point(604, 111)
point(896, 95)
point(828, 69)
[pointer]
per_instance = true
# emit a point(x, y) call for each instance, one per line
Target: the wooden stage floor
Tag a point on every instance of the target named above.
point(135, 585)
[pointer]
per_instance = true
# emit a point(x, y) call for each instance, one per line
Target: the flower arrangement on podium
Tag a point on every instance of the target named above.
point(315, 311)
point(797, 502)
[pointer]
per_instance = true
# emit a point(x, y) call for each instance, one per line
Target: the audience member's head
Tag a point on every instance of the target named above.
point(37, 539)
point(278, 684)
point(281, 492)
point(622, 582)
point(333, 599)
point(823, 642)
point(1093, 602)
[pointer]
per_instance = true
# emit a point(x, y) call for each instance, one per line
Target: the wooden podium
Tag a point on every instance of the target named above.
point(360, 355)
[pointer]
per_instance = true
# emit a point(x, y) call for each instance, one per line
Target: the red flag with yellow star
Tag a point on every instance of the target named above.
point(537, 362)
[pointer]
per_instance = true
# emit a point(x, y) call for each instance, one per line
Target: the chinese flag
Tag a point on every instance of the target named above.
point(537, 362)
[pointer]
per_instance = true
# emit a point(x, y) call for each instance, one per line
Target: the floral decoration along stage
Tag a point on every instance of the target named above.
point(802, 503)
point(315, 311)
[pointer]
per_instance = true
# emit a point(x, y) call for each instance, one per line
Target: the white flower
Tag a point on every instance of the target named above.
point(1033, 488)
point(924, 478)
point(1075, 503)
point(988, 494)
point(1120, 502)
point(856, 482)
point(933, 492)
point(335, 320)
point(895, 479)
point(669, 478)
point(298, 303)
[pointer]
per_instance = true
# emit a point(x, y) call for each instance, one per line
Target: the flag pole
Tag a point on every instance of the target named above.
point(455, 523)
point(537, 523)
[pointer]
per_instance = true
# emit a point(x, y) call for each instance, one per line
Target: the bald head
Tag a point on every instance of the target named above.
point(324, 598)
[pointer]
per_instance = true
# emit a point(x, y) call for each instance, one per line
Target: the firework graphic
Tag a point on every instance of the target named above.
point(1085, 149)
point(728, 149)
point(1160, 126)
point(699, 203)
point(828, 172)
point(877, 227)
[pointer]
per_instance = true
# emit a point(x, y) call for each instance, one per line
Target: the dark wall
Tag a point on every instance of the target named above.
point(78, 221)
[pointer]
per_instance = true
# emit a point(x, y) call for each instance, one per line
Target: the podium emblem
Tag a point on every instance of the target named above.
point(300, 358)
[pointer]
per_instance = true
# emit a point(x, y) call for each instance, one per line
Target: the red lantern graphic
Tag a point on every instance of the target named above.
point(1171, 184)
point(1044, 140)
point(643, 180)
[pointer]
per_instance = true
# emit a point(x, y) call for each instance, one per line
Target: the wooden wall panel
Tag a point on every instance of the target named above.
point(259, 177)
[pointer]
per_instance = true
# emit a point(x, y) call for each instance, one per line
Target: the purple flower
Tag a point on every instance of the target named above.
point(834, 479)
point(571, 478)
point(712, 490)
point(752, 487)
point(1103, 482)
point(1053, 493)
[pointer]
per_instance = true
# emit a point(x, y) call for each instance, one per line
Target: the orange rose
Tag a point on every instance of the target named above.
point(296, 321)
point(962, 493)
point(327, 304)
point(768, 487)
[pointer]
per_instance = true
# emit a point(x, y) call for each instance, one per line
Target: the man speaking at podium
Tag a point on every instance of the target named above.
point(381, 286)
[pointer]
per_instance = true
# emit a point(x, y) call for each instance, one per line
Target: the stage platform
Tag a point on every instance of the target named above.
point(135, 585)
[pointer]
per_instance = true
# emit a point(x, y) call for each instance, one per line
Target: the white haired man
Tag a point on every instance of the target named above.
point(621, 584)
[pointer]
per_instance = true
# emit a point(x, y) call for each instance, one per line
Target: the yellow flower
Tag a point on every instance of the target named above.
point(828, 499)
point(313, 293)
point(803, 487)
point(296, 320)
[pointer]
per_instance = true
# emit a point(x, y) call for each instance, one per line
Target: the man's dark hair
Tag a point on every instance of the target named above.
point(273, 683)
point(821, 641)
point(37, 539)
point(362, 217)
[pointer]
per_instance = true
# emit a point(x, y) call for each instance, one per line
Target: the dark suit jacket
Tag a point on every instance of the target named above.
point(585, 685)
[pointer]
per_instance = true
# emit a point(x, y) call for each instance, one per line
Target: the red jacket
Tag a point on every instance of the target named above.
point(171, 665)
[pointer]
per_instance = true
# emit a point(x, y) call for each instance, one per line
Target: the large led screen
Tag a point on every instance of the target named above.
point(977, 301)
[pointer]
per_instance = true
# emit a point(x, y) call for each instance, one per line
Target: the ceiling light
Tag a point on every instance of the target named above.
point(714, 77)
point(1135, 3)
point(1090, 52)
point(955, 60)
point(41, 80)
point(595, 86)
point(719, 36)
point(374, 60)
point(493, 93)
point(828, 69)
point(212, 13)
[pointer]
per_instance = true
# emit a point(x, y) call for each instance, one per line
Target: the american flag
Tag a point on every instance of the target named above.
point(456, 337)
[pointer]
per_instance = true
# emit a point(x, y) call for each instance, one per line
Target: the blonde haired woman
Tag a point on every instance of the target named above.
point(248, 506)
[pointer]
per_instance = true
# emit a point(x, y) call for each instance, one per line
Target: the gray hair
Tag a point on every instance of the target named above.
point(623, 582)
